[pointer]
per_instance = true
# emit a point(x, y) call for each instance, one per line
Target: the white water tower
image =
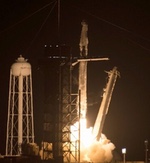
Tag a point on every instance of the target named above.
point(20, 127)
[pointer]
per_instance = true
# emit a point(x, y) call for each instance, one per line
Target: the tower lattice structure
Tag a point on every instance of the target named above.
point(20, 127)
point(60, 129)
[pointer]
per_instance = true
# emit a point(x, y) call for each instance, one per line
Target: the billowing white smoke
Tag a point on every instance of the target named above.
point(98, 151)
point(90, 149)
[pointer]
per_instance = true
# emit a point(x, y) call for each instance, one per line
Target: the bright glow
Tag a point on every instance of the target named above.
point(85, 134)
point(90, 149)
point(123, 150)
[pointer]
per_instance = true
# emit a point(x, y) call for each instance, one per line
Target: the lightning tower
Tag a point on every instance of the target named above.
point(20, 128)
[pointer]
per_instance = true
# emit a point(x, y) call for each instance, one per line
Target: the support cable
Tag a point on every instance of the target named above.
point(41, 27)
point(117, 26)
point(22, 20)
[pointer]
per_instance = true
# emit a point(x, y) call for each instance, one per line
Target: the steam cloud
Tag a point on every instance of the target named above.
point(98, 151)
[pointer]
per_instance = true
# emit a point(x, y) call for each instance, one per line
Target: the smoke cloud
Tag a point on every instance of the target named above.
point(98, 151)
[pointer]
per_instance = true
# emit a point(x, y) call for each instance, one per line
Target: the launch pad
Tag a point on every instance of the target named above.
point(65, 136)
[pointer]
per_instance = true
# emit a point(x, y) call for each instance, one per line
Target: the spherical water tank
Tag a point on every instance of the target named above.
point(21, 67)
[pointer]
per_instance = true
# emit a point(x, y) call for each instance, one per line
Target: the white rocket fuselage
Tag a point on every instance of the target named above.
point(83, 69)
point(83, 87)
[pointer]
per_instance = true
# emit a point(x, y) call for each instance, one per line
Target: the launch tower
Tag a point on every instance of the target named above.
point(60, 113)
point(20, 128)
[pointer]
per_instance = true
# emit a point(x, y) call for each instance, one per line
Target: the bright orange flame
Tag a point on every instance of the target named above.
point(85, 134)
point(90, 149)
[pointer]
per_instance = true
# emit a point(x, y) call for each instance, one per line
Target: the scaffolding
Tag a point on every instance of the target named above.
point(70, 115)
point(61, 129)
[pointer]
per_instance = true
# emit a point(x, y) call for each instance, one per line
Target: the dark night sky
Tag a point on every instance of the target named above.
point(117, 29)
